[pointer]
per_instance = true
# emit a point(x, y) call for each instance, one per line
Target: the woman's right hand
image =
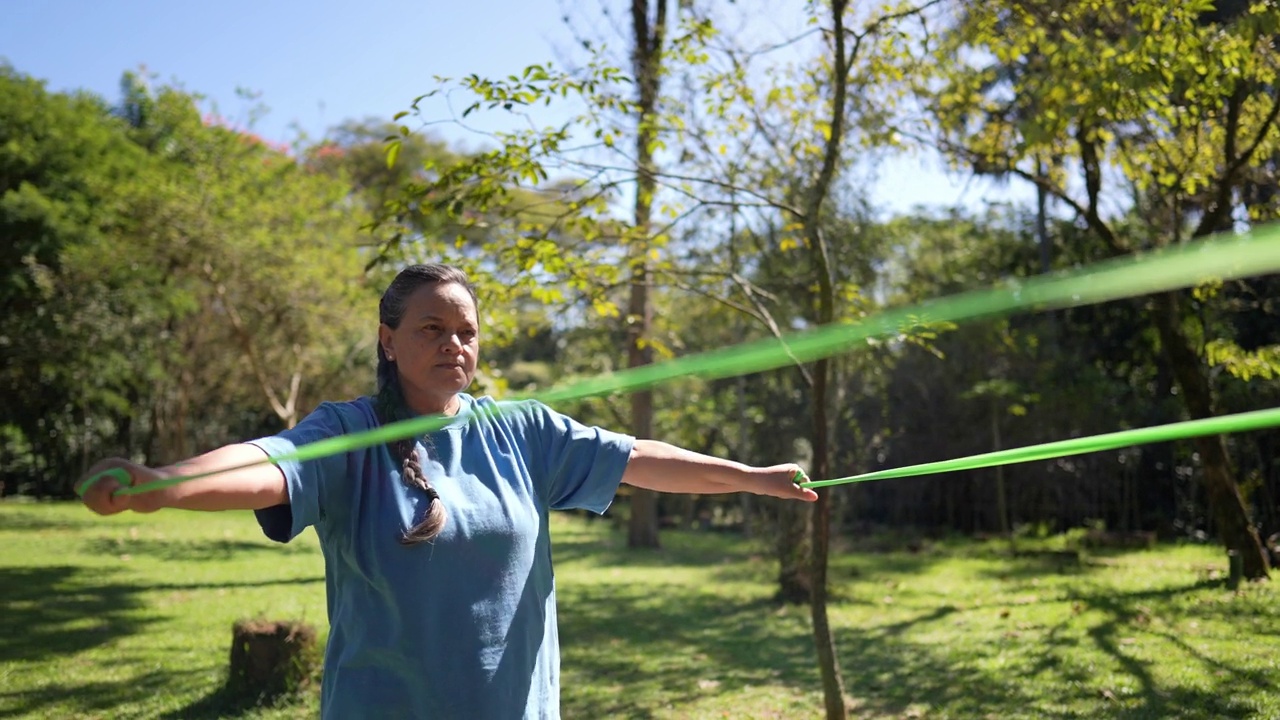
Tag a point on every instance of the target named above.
point(100, 497)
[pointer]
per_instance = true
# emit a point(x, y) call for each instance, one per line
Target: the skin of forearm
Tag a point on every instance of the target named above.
point(249, 488)
point(659, 466)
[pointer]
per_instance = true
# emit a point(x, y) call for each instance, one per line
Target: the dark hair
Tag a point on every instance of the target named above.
point(390, 404)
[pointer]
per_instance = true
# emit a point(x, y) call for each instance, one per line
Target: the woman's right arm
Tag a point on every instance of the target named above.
point(258, 486)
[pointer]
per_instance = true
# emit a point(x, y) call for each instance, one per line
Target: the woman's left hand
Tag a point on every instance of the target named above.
point(780, 481)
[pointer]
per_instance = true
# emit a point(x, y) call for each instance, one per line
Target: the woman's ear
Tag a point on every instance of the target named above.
point(386, 339)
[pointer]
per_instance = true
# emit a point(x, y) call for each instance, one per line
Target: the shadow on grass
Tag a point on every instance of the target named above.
point(632, 649)
point(619, 635)
point(1027, 565)
point(669, 642)
point(25, 521)
point(734, 557)
point(690, 549)
point(190, 550)
point(1125, 617)
point(223, 703)
point(59, 610)
point(90, 697)
point(888, 672)
point(178, 587)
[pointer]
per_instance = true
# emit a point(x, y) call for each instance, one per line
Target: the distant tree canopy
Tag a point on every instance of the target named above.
point(176, 282)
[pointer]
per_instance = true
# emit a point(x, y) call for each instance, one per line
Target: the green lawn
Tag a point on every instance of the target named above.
point(130, 617)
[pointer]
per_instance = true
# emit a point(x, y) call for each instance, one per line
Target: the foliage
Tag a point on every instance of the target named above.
point(66, 374)
point(1178, 100)
point(172, 279)
point(266, 250)
point(1153, 124)
point(1263, 362)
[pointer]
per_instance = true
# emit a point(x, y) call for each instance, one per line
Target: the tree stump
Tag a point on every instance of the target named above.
point(270, 659)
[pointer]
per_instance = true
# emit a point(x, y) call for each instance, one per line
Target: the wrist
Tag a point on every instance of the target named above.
point(754, 480)
point(149, 501)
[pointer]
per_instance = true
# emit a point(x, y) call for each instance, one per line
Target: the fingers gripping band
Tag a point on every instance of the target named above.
point(119, 474)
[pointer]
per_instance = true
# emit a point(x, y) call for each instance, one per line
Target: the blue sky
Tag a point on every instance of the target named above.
point(317, 63)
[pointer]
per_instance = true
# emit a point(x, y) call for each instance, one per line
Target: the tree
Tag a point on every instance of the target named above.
point(65, 167)
point(1181, 115)
point(266, 249)
point(355, 153)
point(177, 283)
point(649, 33)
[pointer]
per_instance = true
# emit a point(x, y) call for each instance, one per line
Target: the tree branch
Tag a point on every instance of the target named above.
point(246, 343)
point(1092, 169)
point(1226, 182)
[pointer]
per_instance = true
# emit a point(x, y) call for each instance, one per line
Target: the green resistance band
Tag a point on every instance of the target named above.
point(1214, 259)
point(1243, 422)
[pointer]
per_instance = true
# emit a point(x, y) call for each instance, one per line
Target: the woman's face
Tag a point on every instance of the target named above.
point(435, 347)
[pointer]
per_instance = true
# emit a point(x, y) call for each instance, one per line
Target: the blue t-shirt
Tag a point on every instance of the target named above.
point(463, 627)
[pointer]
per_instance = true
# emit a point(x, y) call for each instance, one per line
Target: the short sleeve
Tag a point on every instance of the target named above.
point(306, 481)
point(582, 465)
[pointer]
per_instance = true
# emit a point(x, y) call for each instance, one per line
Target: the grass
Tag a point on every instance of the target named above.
point(130, 617)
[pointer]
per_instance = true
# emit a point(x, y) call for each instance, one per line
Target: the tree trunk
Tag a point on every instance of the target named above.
point(823, 640)
point(744, 441)
point(1042, 222)
point(1225, 502)
point(647, 59)
point(794, 583)
point(642, 528)
point(819, 253)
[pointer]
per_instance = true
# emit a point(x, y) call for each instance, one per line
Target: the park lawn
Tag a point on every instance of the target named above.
point(130, 617)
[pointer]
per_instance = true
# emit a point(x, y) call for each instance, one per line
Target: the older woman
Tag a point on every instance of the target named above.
point(438, 567)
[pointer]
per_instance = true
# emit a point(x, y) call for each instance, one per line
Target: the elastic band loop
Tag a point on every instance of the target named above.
point(119, 474)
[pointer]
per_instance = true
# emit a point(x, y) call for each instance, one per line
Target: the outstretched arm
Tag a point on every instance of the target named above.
point(251, 488)
point(663, 467)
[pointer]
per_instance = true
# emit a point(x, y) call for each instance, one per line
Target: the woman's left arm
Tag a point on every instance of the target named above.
point(663, 467)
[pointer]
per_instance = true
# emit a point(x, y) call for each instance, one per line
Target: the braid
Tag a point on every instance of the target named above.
point(390, 407)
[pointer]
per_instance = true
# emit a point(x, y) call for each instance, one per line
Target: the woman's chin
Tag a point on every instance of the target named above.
point(438, 389)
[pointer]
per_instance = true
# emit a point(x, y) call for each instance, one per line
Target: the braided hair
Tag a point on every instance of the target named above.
point(390, 404)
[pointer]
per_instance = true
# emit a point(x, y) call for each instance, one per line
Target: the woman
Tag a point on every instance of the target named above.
point(438, 567)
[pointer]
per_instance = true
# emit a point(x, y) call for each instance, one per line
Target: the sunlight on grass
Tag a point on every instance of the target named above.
point(130, 616)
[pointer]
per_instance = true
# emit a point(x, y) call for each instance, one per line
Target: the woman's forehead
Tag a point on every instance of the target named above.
point(441, 300)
